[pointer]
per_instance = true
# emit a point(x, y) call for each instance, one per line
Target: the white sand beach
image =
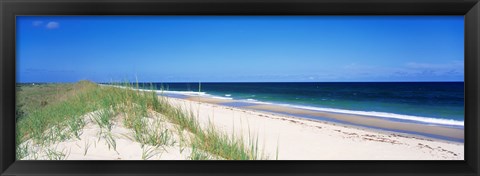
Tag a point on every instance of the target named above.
point(302, 139)
point(287, 138)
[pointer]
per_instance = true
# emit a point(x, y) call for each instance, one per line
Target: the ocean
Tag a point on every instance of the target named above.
point(426, 102)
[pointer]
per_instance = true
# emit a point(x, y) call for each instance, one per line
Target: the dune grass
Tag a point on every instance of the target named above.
point(30, 97)
point(210, 139)
point(49, 116)
point(61, 118)
point(104, 119)
point(153, 134)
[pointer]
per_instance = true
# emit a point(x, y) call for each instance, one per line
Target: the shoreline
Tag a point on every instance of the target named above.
point(304, 139)
point(437, 132)
point(452, 133)
point(400, 116)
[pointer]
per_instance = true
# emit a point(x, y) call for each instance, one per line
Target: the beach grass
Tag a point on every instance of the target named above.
point(104, 119)
point(210, 139)
point(149, 152)
point(153, 134)
point(55, 112)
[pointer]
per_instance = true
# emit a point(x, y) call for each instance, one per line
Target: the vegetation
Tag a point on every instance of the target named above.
point(48, 110)
point(56, 112)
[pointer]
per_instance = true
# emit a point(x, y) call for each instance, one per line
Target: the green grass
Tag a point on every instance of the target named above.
point(149, 151)
point(57, 120)
point(53, 154)
point(61, 118)
point(154, 133)
point(110, 140)
point(198, 154)
point(104, 119)
point(33, 97)
point(76, 125)
point(210, 139)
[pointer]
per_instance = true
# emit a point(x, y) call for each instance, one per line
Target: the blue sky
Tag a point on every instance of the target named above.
point(240, 49)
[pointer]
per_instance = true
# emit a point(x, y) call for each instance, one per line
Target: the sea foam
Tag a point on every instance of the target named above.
point(392, 116)
point(428, 120)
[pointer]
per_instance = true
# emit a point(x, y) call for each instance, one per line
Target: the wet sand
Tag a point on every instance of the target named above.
point(430, 131)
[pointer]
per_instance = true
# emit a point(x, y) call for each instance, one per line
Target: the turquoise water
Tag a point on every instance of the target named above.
point(429, 100)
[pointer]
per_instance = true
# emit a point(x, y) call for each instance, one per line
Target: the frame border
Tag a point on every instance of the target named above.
point(9, 9)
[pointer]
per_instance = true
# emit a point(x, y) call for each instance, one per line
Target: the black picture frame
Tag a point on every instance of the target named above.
point(11, 8)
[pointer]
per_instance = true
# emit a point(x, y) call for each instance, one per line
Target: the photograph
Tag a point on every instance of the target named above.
point(240, 87)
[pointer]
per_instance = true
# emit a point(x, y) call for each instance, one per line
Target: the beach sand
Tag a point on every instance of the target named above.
point(282, 136)
point(93, 145)
point(303, 139)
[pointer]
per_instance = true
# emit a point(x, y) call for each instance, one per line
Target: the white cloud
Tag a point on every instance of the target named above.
point(52, 25)
point(37, 23)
